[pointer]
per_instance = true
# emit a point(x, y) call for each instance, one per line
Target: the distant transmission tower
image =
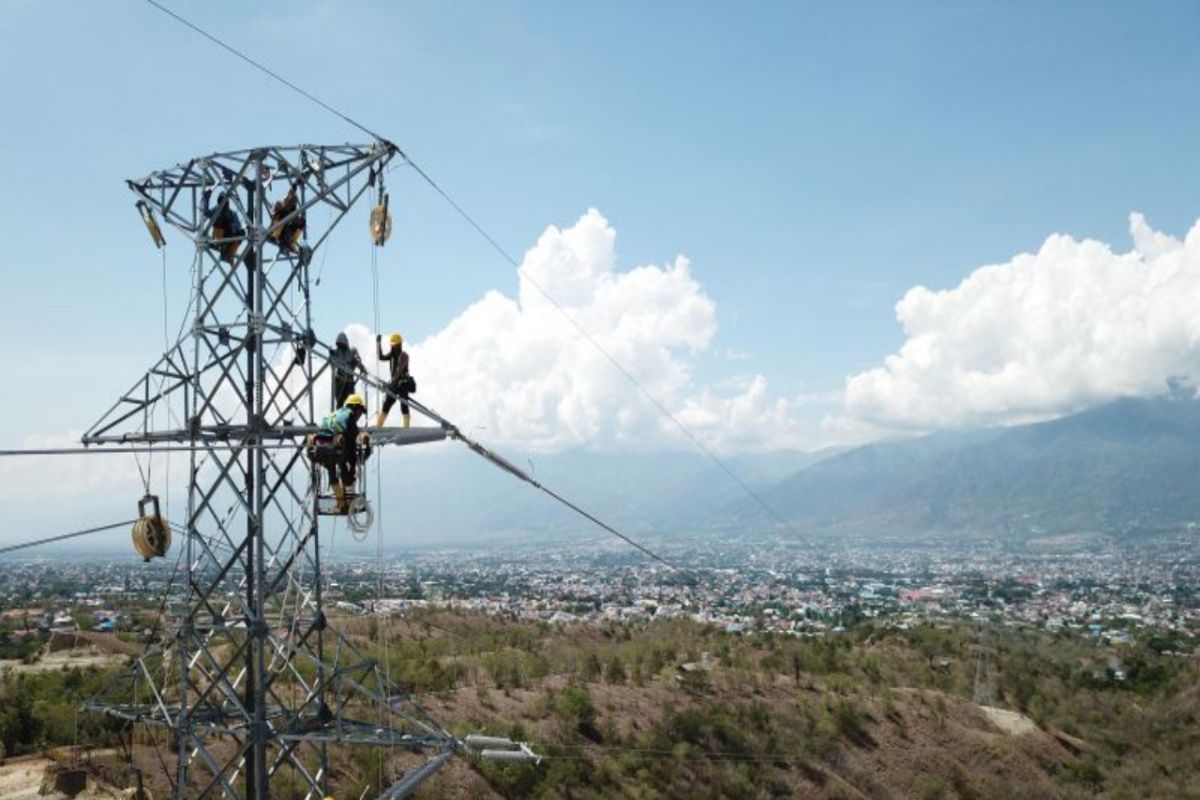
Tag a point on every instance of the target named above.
point(984, 691)
point(249, 677)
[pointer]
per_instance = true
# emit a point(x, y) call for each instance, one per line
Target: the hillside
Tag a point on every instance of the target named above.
point(680, 710)
point(856, 717)
point(1128, 467)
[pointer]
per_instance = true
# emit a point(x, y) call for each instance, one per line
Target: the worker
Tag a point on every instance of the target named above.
point(335, 447)
point(347, 365)
point(225, 226)
point(400, 383)
point(288, 235)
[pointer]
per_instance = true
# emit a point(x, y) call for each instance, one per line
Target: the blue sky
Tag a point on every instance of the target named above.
point(812, 161)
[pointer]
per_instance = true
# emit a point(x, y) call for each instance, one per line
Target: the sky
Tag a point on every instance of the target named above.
point(799, 224)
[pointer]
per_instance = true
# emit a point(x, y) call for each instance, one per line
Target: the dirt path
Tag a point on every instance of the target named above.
point(1011, 722)
point(21, 779)
point(82, 658)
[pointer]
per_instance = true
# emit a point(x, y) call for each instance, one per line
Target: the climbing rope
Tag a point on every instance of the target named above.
point(380, 564)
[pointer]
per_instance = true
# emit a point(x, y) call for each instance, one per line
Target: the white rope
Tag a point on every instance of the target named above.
point(380, 566)
point(166, 347)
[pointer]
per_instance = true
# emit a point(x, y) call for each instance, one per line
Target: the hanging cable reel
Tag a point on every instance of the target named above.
point(381, 222)
point(151, 533)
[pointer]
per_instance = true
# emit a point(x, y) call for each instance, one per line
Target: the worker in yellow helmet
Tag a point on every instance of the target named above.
point(335, 447)
point(400, 383)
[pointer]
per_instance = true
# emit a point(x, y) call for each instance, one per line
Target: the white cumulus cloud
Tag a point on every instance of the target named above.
point(515, 367)
point(1047, 333)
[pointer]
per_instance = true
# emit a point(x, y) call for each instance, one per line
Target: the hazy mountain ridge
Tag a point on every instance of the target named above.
point(449, 495)
point(1125, 467)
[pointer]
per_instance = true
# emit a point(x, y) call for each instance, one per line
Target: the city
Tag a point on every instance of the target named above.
point(651, 401)
point(1114, 593)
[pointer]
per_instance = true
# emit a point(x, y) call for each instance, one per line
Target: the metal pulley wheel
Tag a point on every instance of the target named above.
point(151, 533)
point(381, 220)
point(381, 225)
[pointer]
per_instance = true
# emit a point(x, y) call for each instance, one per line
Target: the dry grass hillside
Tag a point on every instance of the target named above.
point(680, 710)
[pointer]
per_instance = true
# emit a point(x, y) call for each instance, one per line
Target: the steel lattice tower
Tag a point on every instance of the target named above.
point(249, 676)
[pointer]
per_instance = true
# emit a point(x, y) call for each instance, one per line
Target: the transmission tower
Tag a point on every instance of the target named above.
point(984, 693)
point(249, 679)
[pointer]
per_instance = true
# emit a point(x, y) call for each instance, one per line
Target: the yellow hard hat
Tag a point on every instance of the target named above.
point(396, 338)
point(355, 400)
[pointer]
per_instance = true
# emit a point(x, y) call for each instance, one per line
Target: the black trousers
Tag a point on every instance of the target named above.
point(394, 390)
point(342, 464)
point(343, 387)
point(342, 472)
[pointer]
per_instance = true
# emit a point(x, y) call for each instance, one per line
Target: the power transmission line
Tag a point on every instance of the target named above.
point(261, 67)
point(96, 451)
point(662, 409)
point(474, 446)
point(506, 465)
point(64, 536)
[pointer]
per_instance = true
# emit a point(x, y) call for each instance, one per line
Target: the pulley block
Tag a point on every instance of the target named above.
point(151, 533)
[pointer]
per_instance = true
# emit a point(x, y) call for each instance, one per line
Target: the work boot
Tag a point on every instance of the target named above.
point(339, 492)
point(380, 418)
point(407, 420)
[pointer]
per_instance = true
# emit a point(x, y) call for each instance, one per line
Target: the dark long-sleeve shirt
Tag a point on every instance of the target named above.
point(224, 217)
point(346, 362)
point(350, 436)
point(397, 359)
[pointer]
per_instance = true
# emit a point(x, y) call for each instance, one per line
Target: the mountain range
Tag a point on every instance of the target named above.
point(1127, 467)
point(1124, 468)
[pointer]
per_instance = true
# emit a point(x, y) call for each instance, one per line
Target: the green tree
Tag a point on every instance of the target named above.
point(575, 708)
point(19, 726)
point(615, 673)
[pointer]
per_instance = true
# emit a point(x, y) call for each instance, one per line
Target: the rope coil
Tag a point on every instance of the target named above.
point(359, 518)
